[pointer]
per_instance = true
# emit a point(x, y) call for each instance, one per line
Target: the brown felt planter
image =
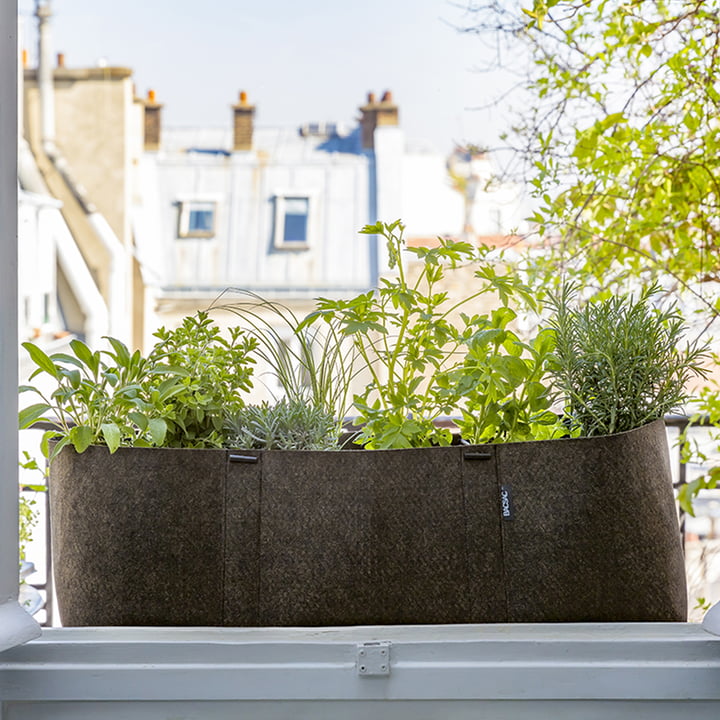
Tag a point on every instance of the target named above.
point(552, 531)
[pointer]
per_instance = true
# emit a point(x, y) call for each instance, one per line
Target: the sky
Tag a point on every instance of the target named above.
point(300, 62)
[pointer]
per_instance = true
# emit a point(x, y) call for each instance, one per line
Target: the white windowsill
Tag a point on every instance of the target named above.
point(629, 662)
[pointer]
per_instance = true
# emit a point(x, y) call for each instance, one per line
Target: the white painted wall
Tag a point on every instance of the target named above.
point(244, 185)
point(430, 205)
point(37, 265)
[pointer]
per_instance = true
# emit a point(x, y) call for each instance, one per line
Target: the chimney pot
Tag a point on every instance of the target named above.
point(152, 122)
point(24, 58)
point(61, 60)
point(243, 123)
point(377, 114)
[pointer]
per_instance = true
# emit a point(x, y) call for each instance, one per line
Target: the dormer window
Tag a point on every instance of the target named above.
point(292, 222)
point(197, 219)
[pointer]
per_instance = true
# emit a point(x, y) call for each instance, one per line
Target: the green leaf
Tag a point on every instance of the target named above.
point(84, 353)
point(62, 441)
point(28, 415)
point(34, 488)
point(43, 362)
point(112, 436)
point(158, 430)
point(139, 419)
point(122, 354)
point(81, 437)
point(48, 436)
point(65, 358)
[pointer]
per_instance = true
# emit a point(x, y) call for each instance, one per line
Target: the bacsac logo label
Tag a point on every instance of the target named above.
point(506, 506)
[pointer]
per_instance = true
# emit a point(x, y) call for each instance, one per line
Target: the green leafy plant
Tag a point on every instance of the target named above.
point(619, 362)
point(709, 414)
point(290, 424)
point(207, 374)
point(27, 513)
point(176, 396)
point(502, 383)
point(426, 358)
point(99, 397)
point(312, 364)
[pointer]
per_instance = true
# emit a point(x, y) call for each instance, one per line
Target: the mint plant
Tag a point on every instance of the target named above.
point(502, 383)
point(423, 363)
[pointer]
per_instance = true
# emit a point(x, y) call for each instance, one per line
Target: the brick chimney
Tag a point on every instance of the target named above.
point(243, 121)
point(152, 122)
point(376, 114)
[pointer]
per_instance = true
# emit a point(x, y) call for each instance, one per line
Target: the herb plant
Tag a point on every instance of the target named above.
point(502, 383)
point(207, 372)
point(176, 396)
point(289, 424)
point(312, 364)
point(100, 397)
point(619, 362)
point(426, 358)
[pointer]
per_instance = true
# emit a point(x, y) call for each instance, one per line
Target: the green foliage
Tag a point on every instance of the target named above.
point(28, 518)
point(502, 382)
point(174, 397)
point(99, 397)
point(425, 358)
point(27, 514)
point(620, 131)
point(290, 424)
point(618, 362)
point(207, 373)
point(312, 364)
point(689, 491)
point(709, 413)
point(621, 140)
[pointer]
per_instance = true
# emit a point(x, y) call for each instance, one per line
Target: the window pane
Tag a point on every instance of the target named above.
point(200, 220)
point(296, 214)
point(196, 219)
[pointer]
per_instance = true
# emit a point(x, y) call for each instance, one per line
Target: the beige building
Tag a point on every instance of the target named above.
point(84, 136)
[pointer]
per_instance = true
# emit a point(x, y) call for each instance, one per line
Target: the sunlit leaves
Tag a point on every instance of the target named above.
point(627, 162)
point(427, 357)
point(177, 395)
point(620, 362)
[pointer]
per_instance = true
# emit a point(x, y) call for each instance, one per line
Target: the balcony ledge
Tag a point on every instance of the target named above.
point(523, 667)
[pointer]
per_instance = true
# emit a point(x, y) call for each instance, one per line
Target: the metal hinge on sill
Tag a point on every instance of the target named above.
point(373, 659)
